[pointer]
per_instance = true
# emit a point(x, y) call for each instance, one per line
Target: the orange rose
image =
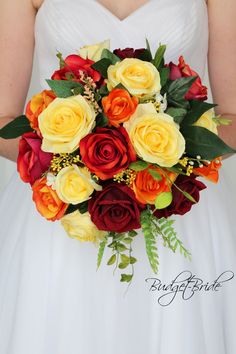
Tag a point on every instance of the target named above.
point(47, 201)
point(210, 172)
point(119, 106)
point(147, 188)
point(36, 105)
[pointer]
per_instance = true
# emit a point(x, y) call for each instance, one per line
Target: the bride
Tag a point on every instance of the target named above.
point(52, 300)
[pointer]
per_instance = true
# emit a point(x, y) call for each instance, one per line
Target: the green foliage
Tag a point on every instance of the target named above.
point(197, 108)
point(82, 207)
point(126, 278)
point(201, 141)
point(101, 120)
point(176, 91)
point(164, 75)
point(61, 60)
point(107, 54)
point(159, 56)
point(221, 121)
point(64, 88)
point(177, 113)
point(101, 66)
point(150, 239)
point(138, 165)
point(111, 260)
point(163, 200)
point(101, 250)
point(169, 236)
point(16, 128)
point(155, 174)
point(146, 55)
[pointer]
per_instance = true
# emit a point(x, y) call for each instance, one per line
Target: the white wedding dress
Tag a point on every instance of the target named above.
point(52, 300)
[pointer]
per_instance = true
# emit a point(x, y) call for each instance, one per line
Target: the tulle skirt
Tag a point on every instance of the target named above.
point(53, 301)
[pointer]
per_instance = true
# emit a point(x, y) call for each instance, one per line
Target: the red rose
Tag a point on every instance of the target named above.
point(32, 161)
point(180, 204)
point(107, 152)
point(74, 64)
point(197, 91)
point(128, 53)
point(115, 209)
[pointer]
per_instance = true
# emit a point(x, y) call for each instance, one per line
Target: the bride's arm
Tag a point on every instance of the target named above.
point(222, 62)
point(16, 48)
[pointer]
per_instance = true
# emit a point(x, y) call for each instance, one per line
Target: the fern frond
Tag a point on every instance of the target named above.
point(169, 236)
point(101, 250)
point(150, 239)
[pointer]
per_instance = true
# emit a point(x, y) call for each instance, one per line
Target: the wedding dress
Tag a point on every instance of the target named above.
point(52, 299)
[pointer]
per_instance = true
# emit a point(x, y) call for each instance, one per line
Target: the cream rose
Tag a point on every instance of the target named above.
point(65, 122)
point(206, 121)
point(94, 51)
point(137, 76)
point(155, 136)
point(81, 227)
point(74, 184)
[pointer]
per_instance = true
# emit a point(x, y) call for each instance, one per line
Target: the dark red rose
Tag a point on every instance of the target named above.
point(197, 91)
point(115, 209)
point(128, 52)
point(107, 152)
point(32, 161)
point(74, 65)
point(180, 204)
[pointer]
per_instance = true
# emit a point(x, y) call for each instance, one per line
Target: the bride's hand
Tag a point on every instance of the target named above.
point(16, 48)
point(222, 63)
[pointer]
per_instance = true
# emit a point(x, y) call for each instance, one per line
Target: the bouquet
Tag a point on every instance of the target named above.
point(118, 144)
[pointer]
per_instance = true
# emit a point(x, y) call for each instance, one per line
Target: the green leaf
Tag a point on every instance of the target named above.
point(163, 200)
point(101, 66)
point(164, 75)
point(101, 120)
point(132, 233)
point(101, 251)
point(155, 174)
point(64, 88)
point(146, 55)
point(82, 207)
point(103, 91)
point(125, 259)
point(138, 165)
point(16, 128)
point(197, 108)
point(159, 55)
point(126, 277)
point(179, 87)
point(112, 260)
point(177, 113)
point(148, 47)
point(189, 197)
point(133, 260)
point(107, 54)
point(128, 240)
point(201, 141)
point(121, 248)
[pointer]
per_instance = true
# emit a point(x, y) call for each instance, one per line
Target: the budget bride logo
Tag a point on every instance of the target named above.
point(185, 285)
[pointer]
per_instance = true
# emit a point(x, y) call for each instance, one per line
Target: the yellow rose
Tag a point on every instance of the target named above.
point(74, 184)
point(206, 121)
point(94, 51)
point(65, 122)
point(137, 76)
point(81, 227)
point(155, 136)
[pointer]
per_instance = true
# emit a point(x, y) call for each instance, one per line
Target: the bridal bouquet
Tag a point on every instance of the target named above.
point(116, 145)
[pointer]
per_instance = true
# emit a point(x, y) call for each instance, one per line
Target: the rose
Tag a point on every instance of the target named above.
point(32, 161)
point(47, 201)
point(74, 184)
point(206, 121)
point(181, 204)
point(36, 105)
point(107, 152)
point(147, 188)
point(65, 122)
point(209, 171)
point(128, 52)
point(119, 106)
point(115, 209)
point(197, 91)
point(80, 227)
point(155, 136)
point(74, 66)
point(137, 76)
point(94, 52)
